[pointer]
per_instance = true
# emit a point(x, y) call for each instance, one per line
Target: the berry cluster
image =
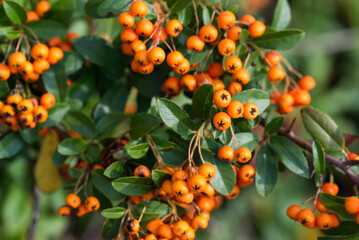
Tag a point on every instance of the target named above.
point(41, 8)
point(23, 112)
point(73, 201)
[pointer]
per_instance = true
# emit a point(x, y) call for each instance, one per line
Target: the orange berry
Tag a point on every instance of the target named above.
point(138, 9)
point(234, 33)
point(199, 222)
point(208, 33)
point(73, 200)
point(183, 68)
point(180, 188)
point(25, 106)
point(335, 220)
point(141, 58)
point(92, 204)
point(352, 156)
point(324, 221)
point(188, 83)
point(42, 8)
point(208, 190)
point(293, 211)
point(206, 203)
point(276, 74)
point(203, 78)
point(272, 58)
point(179, 175)
point(249, 19)
point(207, 170)
point(4, 72)
point(246, 173)
point(47, 100)
point(242, 76)
point(256, 29)
point(25, 119)
point(144, 28)
point(171, 86)
point(352, 205)
point(70, 36)
point(320, 207)
point(64, 211)
point(250, 110)
point(226, 153)
point(222, 121)
point(301, 98)
point(218, 84)
point(196, 183)
point(16, 59)
point(243, 155)
point(180, 228)
point(195, 43)
point(13, 99)
point(165, 231)
point(306, 83)
point(128, 35)
point(81, 211)
point(215, 70)
point(41, 66)
point(285, 100)
point(150, 237)
point(132, 226)
point(126, 49)
point(233, 64)
point(226, 19)
point(226, 47)
point(145, 69)
point(174, 28)
point(234, 87)
point(153, 226)
point(26, 68)
point(159, 33)
point(40, 114)
point(55, 55)
point(222, 98)
point(7, 111)
point(40, 51)
point(126, 20)
point(54, 42)
point(235, 109)
point(174, 59)
point(137, 46)
point(306, 217)
point(32, 16)
point(142, 171)
point(234, 193)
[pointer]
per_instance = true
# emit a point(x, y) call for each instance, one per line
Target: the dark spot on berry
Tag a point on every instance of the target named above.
point(221, 124)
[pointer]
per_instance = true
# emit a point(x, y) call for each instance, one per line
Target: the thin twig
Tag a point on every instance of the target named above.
point(196, 15)
point(235, 139)
point(7, 52)
point(35, 213)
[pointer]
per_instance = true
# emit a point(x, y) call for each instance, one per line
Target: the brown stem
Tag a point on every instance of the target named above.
point(7, 52)
point(235, 139)
point(196, 15)
point(35, 214)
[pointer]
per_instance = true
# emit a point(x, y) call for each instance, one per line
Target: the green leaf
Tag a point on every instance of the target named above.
point(158, 176)
point(56, 114)
point(4, 89)
point(282, 15)
point(81, 124)
point(110, 228)
point(10, 145)
point(72, 61)
point(243, 36)
point(99, 52)
point(15, 12)
point(55, 81)
point(85, 86)
point(259, 97)
point(13, 34)
point(266, 171)
point(62, 11)
point(112, 125)
point(115, 170)
point(206, 15)
point(291, 156)
point(346, 228)
point(44, 29)
point(274, 125)
point(318, 158)
point(176, 6)
point(106, 8)
point(323, 129)
point(143, 123)
point(104, 186)
point(113, 213)
point(154, 209)
point(72, 146)
point(225, 179)
point(282, 40)
point(133, 186)
point(334, 203)
point(30, 136)
point(203, 101)
point(58, 159)
point(175, 117)
point(245, 139)
point(138, 151)
point(340, 237)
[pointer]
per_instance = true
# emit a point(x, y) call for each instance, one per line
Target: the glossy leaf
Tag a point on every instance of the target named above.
point(115, 170)
point(72, 146)
point(31, 135)
point(259, 97)
point(282, 15)
point(10, 145)
point(176, 6)
point(248, 140)
point(44, 29)
point(133, 186)
point(113, 213)
point(81, 124)
point(138, 151)
point(142, 124)
point(112, 125)
point(318, 158)
point(158, 176)
point(203, 101)
point(266, 171)
point(55, 81)
point(175, 117)
point(334, 203)
point(154, 209)
point(56, 114)
point(15, 12)
point(281, 40)
point(106, 8)
point(291, 156)
point(274, 125)
point(104, 185)
point(322, 128)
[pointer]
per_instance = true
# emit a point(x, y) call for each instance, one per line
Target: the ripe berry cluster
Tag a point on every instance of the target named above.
point(41, 8)
point(73, 202)
point(23, 112)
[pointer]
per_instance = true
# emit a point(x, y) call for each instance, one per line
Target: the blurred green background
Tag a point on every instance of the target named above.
point(329, 53)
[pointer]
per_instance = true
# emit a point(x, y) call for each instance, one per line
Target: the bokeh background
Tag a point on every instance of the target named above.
point(329, 53)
